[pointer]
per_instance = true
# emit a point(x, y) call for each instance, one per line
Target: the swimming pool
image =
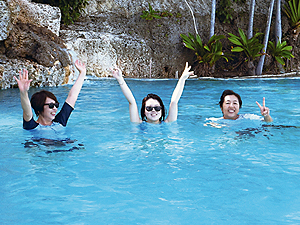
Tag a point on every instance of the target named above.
point(102, 169)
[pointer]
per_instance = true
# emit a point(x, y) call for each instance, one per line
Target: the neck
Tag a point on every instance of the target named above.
point(41, 120)
point(154, 122)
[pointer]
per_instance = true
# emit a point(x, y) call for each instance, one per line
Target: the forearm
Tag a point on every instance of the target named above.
point(133, 109)
point(268, 119)
point(75, 90)
point(126, 91)
point(26, 106)
point(178, 91)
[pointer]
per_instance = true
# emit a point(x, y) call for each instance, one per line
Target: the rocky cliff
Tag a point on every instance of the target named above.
point(109, 33)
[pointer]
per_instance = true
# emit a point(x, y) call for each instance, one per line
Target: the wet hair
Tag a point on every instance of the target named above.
point(229, 92)
point(38, 100)
point(156, 97)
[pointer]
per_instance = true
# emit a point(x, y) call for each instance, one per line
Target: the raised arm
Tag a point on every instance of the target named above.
point(265, 111)
point(173, 108)
point(24, 84)
point(74, 92)
point(133, 109)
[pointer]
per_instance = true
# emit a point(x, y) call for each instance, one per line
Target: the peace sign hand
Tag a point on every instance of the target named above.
point(187, 73)
point(265, 111)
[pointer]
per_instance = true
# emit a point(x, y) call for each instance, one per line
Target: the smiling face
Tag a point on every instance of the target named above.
point(152, 116)
point(230, 107)
point(48, 114)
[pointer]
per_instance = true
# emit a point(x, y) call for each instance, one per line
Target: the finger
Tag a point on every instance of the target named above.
point(26, 74)
point(186, 64)
point(258, 104)
point(264, 102)
point(16, 78)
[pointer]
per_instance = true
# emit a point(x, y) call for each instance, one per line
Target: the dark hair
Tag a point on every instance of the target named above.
point(156, 97)
point(38, 100)
point(229, 92)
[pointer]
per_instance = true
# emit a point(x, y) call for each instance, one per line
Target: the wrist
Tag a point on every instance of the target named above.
point(121, 81)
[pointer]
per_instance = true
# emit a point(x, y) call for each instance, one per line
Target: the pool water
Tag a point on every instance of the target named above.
point(102, 169)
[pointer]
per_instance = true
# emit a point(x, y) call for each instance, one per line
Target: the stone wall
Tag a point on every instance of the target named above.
point(111, 32)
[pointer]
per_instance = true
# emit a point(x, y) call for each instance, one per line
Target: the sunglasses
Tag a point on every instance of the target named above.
point(150, 108)
point(51, 105)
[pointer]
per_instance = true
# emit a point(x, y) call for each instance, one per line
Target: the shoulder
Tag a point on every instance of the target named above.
point(29, 125)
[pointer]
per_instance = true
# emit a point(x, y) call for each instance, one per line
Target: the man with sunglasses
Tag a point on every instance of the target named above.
point(45, 104)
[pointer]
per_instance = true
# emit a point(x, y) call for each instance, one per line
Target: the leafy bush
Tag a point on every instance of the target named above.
point(251, 47)
point(280, 51)
point(207, 54)
point(292, 11)
point(70, 10)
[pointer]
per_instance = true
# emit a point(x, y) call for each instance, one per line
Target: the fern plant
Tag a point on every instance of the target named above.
point(280, 51)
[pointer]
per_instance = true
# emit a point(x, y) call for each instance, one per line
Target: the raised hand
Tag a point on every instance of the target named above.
point(23, 82)
point(80, 66)
point(186, 73)
point(116, 73)
point(265, 111)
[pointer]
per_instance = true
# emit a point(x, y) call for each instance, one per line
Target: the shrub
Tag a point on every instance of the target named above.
point(70, 10)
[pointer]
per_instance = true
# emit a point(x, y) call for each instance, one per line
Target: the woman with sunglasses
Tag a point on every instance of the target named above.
point(45, 104)
point(153, 110)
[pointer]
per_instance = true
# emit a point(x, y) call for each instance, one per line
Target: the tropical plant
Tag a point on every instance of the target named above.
point(70, 10)
point(215, 52)
point(151, 14)
point(209, 53)
point(251, 47)
point(280, 51)
point(292, 11)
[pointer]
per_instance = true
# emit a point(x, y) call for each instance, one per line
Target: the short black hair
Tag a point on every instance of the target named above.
point(38, 100)
point(229, 92)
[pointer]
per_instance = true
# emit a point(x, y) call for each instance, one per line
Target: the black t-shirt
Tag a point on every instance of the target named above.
point(62, 118)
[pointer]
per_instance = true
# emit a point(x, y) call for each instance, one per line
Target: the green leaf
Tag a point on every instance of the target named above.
point(237, 49)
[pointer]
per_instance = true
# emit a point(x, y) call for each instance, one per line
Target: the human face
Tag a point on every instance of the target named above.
point(152, 116)
point(48, 114)
point(230, 107)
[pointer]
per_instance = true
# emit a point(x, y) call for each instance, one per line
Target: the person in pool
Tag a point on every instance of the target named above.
point(153, 109)
point(231, 102)
point(45, 104)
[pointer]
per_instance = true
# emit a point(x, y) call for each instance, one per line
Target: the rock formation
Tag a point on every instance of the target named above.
point(109, 33)
point(29, 39)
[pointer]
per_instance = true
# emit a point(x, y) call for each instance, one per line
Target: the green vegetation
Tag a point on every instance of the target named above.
point(280, 51)
point(251, 47)
point(70, 10)
point(209, 53)
point(151, 14)
point(224, 10)
point(292, 11)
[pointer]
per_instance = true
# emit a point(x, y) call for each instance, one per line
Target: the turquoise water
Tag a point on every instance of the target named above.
point(102, 169)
